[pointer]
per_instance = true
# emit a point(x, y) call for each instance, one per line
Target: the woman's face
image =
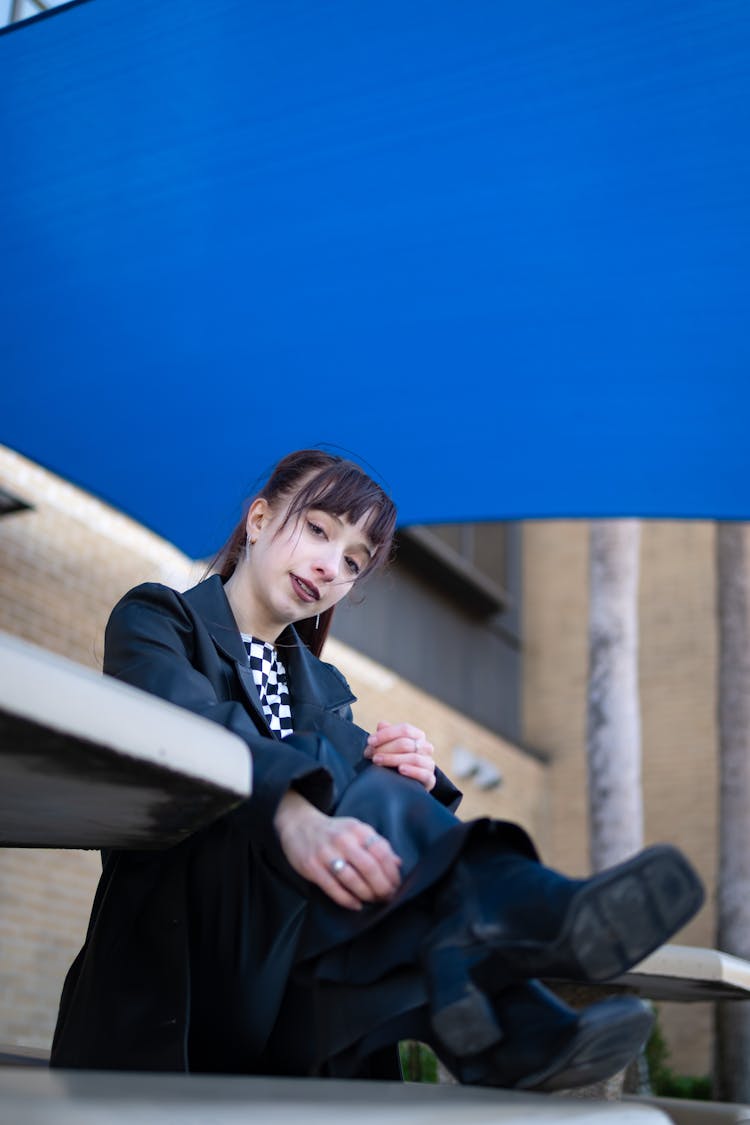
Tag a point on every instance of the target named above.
point(305, 567)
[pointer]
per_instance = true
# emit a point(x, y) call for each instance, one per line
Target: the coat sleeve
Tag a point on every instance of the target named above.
point(445, 791)
point(150, 643)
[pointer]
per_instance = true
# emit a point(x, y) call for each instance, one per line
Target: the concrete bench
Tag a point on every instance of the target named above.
point(87, 762)
point(36, 1097)
point(39, 1097)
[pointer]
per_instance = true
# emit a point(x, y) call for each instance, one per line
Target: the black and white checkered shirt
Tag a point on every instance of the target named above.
point(270, 679)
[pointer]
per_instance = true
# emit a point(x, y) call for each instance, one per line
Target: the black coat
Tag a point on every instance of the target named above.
point(206, 932)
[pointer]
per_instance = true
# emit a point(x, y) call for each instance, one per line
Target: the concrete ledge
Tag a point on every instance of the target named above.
point(684, 1111)
point(685, 972)
point(11, 1055)
point(87, 762)
point(38, 1097)
point(673, 972)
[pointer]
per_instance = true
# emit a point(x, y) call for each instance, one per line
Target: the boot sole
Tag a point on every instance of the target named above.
point(615, 920)
point(608, 1037)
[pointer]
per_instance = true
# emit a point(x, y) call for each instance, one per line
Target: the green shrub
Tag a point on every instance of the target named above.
point(418, 1062)
point(664, 1082)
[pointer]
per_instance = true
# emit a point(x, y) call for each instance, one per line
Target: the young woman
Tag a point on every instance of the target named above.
point(343, 906)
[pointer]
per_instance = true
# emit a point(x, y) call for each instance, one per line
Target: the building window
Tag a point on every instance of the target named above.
point(466, 561)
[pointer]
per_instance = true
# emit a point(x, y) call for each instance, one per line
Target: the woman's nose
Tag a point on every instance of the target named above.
point(327, 566)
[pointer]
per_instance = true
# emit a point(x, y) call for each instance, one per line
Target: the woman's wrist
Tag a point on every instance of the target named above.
point(291, 809)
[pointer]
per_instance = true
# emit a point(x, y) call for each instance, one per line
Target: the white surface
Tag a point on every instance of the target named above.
point(64, 696)
point(693, 963)
point(38, 1097)
point(88, 762)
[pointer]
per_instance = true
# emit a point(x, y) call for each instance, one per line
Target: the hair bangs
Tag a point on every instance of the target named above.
point(343, 489)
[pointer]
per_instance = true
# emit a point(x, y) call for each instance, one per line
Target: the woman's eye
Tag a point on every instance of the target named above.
point(315, 528)
point(353, 566)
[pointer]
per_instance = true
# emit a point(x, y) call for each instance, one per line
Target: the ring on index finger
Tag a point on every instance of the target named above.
point(370, 840)
point(417, 744)
point(337, 865)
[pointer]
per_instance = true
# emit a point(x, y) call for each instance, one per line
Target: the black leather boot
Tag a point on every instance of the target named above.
point(548, 1046)
point(508, 918)
point(545, 1046)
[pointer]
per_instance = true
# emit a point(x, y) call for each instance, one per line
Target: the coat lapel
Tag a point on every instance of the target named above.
point(313, 684)
point(319, 695)
point(316, 689)
point(210, 601)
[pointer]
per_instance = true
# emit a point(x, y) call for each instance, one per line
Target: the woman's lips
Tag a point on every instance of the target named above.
point(305, 590)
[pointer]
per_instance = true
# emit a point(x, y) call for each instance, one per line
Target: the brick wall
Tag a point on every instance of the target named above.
point(63, 565)
point(677, 662)
point(521, 797)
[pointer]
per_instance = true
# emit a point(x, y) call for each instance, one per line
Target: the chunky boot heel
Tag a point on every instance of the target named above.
point(461, 1015)
point(607, 1038)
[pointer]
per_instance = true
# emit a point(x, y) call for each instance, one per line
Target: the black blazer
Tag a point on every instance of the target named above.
point(174, 931)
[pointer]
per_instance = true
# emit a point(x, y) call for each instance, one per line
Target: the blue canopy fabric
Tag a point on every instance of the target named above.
point(497, 251)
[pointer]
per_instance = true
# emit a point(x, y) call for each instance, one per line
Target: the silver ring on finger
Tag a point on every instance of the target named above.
point(337, 865)
point(417, 744)
point(371, 839)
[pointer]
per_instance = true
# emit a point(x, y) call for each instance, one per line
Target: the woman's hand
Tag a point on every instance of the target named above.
point(345, 857)
point(404, 748)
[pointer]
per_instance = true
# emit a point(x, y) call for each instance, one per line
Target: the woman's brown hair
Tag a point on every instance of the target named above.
point(329, 483)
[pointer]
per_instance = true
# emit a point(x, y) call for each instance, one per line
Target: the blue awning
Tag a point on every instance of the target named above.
point(499, 252)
